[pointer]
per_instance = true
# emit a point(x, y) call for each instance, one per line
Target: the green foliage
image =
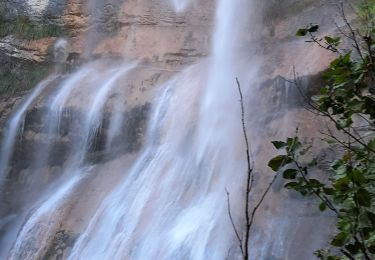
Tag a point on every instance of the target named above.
point(366, 13)
point(19, 76)
point(308, 29)
point(16, 76)
point(25, 28)
point(345, 98)
point(349, 193)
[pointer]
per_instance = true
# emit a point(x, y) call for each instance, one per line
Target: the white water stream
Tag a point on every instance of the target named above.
point(30, 236)
point(15, 127)
point(171, 203)
point(180, 5)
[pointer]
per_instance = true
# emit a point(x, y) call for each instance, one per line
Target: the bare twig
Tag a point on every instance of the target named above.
point(353, 33)
point(257, 206)
point(347, 254)
point(344, 33)
point(368, 121)
point(250, 178)
point(227, 257)
point(232, 222)
point(249, 218)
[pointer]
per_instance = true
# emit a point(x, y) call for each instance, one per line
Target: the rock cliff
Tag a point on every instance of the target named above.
point(41, 37)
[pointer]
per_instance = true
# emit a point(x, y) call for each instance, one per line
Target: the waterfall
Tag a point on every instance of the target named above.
point(128, 148)
point(15, 127)
point(42, 217)
point(39, 225)
point(94, 117)
point(180, 5)
point(171, 203)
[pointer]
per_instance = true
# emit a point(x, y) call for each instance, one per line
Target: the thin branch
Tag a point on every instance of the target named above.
point(350, 134)
point(328, 47)
point(323, 198)
point(354, 36)
point(227, 257)
point(368, 121)
point(301, 92)
point(232, 222)
point(250, 177)
point(257, 206)
point(341, 31)
point(249, 158)
point(347, 254)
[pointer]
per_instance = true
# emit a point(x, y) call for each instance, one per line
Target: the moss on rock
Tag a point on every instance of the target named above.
point(16, 76)
point(24, 28)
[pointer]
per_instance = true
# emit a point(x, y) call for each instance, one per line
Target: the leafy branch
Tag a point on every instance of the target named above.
point(346, 100)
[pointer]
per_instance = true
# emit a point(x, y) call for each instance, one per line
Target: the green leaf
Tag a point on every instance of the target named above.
point(371, 249)
point(371, 144)
point(290, 174)
point(278, 144)
point(366, 231)
point(322, 206)
point(371, 217)
point(293, 144)
point(342, 184)
point(355, 105)
point(357, 177)
point(292, 185)
point(340, 239)
point(328, 191)
point(279, 161)
point(330, 141)
point(344, 123)
point(302, 32)
point(315, 183)
point(363, 197)
point(354, 248)
point(313, 28)
point(339, 167)
point(313, 162)
point(335, 41)
point(359, 78)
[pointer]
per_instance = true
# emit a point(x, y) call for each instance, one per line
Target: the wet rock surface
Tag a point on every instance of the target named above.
point(62, 241)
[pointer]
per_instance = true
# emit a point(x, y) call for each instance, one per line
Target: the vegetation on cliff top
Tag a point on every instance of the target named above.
point(25, 28)
point(17, 75)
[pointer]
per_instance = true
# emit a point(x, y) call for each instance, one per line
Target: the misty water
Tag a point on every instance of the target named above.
point(169, 202)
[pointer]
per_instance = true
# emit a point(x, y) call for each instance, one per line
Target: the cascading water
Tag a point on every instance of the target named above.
point(41, 215)
point(170, 203)
point(94, 117)
point(180, 5)
point(31, 236)
point(15, 127)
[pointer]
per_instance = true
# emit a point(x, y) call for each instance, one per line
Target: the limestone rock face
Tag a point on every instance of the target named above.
point(25, 51)
point(135, 29)
point(145, 30)
point(41, 36)
point(154, 31)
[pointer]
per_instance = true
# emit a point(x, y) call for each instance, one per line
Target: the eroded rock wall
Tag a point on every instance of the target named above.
point(165, 41)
